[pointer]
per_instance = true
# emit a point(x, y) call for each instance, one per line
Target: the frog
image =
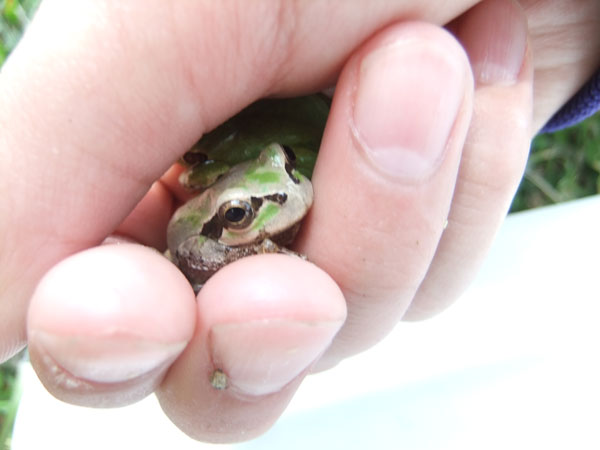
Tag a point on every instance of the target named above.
point(297, 123)
point(255, 207)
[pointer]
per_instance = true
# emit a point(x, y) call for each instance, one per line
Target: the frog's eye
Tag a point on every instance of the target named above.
point(236, 214)
point(194, 158)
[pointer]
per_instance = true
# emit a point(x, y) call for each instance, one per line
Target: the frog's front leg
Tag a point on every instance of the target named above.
point(268, 246)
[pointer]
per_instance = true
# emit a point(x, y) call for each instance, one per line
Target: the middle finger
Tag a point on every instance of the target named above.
point(386, 173)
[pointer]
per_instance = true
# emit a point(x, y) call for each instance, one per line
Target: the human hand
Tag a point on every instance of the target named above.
point(563, 58)
point(136, 120)
point(566, 51)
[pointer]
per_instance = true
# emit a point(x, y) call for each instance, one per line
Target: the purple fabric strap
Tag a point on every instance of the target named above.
point(585, 103)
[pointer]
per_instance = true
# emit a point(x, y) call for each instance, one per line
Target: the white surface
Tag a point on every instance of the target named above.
point(513, 365)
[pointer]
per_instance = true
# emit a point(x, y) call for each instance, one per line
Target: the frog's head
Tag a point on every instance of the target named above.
point(264, 197)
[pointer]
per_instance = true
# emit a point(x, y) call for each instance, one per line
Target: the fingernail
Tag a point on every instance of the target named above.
point(408, 97)
point(105, 360)
point(494, 34)
point(261, 357)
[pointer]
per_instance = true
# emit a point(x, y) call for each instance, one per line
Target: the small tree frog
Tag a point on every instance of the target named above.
point(252, 179)
point(256, 207)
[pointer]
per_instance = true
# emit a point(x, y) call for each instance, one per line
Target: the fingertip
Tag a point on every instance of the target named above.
point(105, 323)
point(495, 36)
point(268, 332)
point(262, 323)
point(270, 286)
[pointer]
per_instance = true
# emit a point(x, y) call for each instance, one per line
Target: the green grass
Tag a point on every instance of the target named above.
point(563, 166)
point(15, 15)
point(10, 394)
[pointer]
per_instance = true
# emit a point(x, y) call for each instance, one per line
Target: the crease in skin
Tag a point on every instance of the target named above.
point(102, 359)
point(559, 28)
point(62, 377)
point(260, 357)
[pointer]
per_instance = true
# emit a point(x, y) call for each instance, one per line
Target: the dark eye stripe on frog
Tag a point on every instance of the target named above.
point(213, 229)
point(279, 198)
point(256, 203)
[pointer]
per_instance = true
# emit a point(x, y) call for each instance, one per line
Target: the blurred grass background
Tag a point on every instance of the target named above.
point(562, 166)
point(14, 17)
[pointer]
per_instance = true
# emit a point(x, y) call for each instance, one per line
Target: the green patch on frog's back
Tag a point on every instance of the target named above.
point(204, 175)
point(260, 176)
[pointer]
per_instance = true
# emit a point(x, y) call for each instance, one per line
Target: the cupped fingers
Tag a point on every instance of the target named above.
point(494, 34)
point(385, 175)
point(262, 323)
point(105, 324)
point(147, 222)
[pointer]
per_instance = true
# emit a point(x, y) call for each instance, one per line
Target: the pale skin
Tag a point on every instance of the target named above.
point(95, 109)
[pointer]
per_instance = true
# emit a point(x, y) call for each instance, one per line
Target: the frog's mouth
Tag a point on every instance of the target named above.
point(286, 237)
